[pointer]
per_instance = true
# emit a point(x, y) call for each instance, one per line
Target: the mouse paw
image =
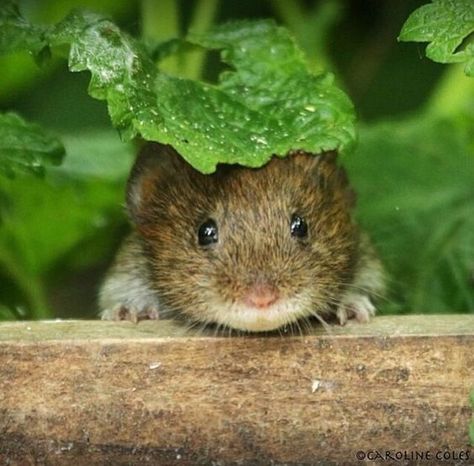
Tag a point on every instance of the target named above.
point(358, 306)
point(131, 313)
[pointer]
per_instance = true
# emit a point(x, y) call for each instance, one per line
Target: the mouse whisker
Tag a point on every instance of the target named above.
point(365, 290)
point(296, 323)
point(325, 325)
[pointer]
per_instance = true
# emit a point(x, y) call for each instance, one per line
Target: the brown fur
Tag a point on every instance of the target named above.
point(168, 200)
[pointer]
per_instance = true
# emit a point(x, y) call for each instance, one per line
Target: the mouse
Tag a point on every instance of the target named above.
point(247, 249)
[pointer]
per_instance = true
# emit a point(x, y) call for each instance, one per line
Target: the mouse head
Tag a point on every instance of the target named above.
point(250, 249)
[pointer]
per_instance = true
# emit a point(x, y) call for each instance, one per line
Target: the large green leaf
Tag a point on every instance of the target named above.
point(270, 104)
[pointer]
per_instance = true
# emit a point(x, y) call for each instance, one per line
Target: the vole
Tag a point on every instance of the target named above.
point(251, 249)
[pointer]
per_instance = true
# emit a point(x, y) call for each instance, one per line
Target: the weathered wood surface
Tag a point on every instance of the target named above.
point(94, 393)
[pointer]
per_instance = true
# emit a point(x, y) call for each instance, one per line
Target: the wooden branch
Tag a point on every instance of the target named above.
point(94, 393)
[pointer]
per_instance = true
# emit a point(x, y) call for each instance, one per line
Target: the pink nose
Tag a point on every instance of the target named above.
point(261, 296)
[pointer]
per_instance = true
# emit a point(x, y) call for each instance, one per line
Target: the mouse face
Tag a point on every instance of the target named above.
point(248, 249)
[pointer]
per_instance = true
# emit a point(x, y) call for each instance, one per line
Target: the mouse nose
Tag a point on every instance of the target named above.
point(261, 295)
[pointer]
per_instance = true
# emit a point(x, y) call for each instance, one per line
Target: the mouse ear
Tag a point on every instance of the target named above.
point(349, 192)
point(329, 171)
point(155, 162)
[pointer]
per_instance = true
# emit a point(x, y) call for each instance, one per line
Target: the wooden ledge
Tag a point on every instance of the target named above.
point(438, 325)
point(93, 393)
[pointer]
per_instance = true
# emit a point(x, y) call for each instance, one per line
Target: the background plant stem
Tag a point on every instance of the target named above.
point(203, 17)
point(453, 94)
point(160, 22)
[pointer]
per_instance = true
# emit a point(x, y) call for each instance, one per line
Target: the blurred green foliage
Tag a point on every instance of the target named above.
point(413, 169)
point(25, 146)
point(415, 183)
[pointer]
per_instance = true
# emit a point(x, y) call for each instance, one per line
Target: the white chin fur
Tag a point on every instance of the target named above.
point(242, 317)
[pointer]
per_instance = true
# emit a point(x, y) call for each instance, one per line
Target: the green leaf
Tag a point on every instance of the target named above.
point(270, 104)
point(445, 24)
point(122, 73)
point(17, 33)
point(26, 146)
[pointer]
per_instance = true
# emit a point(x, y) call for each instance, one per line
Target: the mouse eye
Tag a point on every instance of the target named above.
point(208, 233)
point(298, 226)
